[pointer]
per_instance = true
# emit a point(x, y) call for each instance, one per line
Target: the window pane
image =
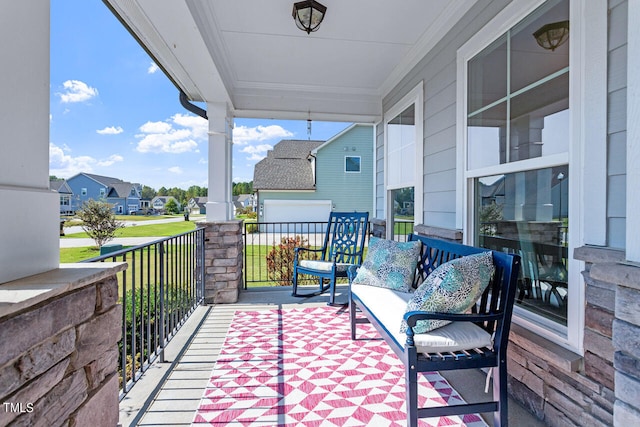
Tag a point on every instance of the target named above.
point(401, 140)
point(488, 76)
point(527, 213)
point(529, 61)
point(403, 208)
point(352, 164)
point(536, 128)
point(486, 137)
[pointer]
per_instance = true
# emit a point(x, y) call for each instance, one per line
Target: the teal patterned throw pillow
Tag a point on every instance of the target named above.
point(453, 287)
point(389, 264)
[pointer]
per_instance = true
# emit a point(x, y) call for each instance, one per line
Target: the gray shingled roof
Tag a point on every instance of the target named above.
point(106, 180)
point(121, 189)
point(286, 167)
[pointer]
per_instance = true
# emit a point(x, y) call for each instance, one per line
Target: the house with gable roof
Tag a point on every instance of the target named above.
point(158, 203)
point(197, 205)
point(61, 187)
point(303, 181)
point(124, 196)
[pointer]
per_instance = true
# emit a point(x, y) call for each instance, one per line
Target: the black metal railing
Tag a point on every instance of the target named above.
point(260, 239)
point(162, 286)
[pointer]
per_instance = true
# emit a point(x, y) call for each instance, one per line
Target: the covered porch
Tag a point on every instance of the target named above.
point(248, 59)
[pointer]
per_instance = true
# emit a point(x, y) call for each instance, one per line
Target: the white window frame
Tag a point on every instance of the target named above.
point(633, 133)
point(415, 97)
point(359, 164)
point(83, 191)
point(587, 188)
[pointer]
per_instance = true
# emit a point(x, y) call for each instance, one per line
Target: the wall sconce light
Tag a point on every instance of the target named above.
point(308, 15)
point(551, 36)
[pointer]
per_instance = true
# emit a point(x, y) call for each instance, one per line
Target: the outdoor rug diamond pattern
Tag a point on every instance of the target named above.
point(299, 367)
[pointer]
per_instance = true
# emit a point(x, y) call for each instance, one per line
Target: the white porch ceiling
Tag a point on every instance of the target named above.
point(250, 53)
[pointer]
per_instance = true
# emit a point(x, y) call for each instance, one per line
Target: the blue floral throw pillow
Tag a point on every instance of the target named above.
point(389, 264)
point(453, 287)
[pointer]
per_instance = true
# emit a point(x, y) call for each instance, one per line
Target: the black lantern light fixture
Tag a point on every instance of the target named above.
point(308, 15)
point(551, 36)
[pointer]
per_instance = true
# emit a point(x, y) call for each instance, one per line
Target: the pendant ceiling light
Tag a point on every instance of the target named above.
point(308, 15)
point(551, 36)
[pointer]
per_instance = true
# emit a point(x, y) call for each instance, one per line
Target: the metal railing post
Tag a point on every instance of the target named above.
point(162, 301)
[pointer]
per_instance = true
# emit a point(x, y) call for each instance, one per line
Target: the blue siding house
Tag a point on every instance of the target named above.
point(125, 196)
point(305, 180)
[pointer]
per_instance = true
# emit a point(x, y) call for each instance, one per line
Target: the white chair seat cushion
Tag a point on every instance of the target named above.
point(323, 265)
point(389, 306)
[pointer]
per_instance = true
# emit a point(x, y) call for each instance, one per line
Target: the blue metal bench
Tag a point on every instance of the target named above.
point(343, 247)
point(492, 313)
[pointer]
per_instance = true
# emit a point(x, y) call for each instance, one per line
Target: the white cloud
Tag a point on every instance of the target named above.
point(153, 67)
point(243, 135)
point(175, 169)
point(155, 127)
point(77, 91)
point(110, 130)
point(114, 158)
point(178, 135)
point(64, 165)
point(256, 152)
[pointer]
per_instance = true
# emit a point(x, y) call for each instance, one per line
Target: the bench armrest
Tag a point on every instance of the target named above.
point(413, 316)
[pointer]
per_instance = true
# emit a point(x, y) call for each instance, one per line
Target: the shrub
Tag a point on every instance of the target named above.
point(280, 259)
point(98, 221)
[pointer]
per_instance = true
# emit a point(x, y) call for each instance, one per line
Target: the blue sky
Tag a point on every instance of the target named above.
point(114, 113)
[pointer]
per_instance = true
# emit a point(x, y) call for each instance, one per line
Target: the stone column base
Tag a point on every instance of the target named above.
point(223, 258)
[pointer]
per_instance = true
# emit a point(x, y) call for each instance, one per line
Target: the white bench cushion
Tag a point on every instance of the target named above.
point(389, 306)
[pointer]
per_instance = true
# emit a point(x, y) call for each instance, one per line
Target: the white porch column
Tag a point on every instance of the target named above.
point(633, 132)
point(29, 218)
point(219, 202)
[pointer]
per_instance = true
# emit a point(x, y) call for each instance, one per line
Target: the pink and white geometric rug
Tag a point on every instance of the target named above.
point(299, 367)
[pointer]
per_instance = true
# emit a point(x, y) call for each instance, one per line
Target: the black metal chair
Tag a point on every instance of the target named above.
point(343, 247)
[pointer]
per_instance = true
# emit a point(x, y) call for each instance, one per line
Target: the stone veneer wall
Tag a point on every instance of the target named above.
point(223, 252)
point(617, 283)
point(59, 332)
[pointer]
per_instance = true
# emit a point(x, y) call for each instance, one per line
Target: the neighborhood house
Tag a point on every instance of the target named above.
point(306, 180)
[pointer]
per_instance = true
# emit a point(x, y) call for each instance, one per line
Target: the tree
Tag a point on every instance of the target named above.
point(171, 207)
point(148, 192)
point(98, 221)
point(242, 188)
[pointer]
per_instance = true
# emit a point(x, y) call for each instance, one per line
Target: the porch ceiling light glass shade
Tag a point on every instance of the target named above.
point(308, 15)
point(551, 36)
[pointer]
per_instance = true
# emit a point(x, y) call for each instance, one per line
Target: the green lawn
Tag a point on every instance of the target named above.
point(151, 230)
point(68, 255)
